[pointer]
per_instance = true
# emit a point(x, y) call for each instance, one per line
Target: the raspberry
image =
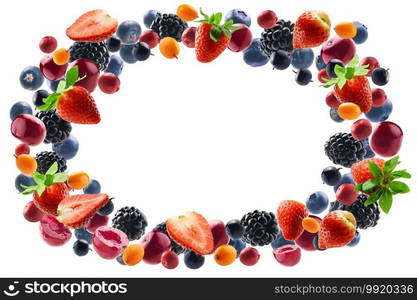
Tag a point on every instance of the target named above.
point(360, 171)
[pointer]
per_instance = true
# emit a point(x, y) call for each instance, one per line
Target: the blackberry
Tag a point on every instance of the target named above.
point(169, 25)
point(162, 227)
point(57, 129)
point(131, 221)
point(277, 38)
point(45, 159)
point(96, 52)
point(260, 228)
point(343, 149)
point(366, 216)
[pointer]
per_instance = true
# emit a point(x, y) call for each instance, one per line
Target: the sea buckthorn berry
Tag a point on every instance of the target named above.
point(187, 12)
point(26, 164)
point(349, 111)
point(61, 56)
point(169, 47)
point(78, 180)
point(346, 30)
point(225, 255)
point(311, 225)
point(133, 254)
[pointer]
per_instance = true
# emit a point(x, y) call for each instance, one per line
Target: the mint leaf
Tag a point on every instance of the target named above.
point(38, 178)
point(360, 71)
point(375, 170)
point(71, 77)
point(29, 189)
point(339, 71)
point(61, 87)
point(341, 82)
point(50, 102)
point(370, 184)
point(385, 202)
point(52, 169)
point(399, 187)
point(401, 174)
point(40, 189)
point(391, 164)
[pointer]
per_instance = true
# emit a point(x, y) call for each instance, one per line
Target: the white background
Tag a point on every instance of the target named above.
point(221, 138)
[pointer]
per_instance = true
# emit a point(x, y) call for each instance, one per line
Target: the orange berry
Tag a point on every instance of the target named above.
point(78, 180)
point(26, 164)
point(225, 255)
point(349, 111)
point(346, 30)
point(169, 47)
point(187, 12)
point(61, 56)
point(311, 225)
point(133, 254)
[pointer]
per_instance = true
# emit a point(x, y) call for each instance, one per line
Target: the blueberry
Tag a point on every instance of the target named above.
point(193, 260)
point(254, 56)
point(149, 16)
point(355, 240)
point(316, 243)
point(238, 16)
point(38, 97)
point(115, 65)
point(93, 187)
point(120, 260)
point(317, 202)
point(280, 60)
point(128, 32)
point(234, 229)
point(107, 209)
point(380, 113)
point(280, 241)
point(113, 44)
point(334, 206)
point(81, 247)
point(31, 78)
point(331, 65)
point(53, 84)
point(126, 53)
point(19, 108)
point(142, 51)
point(68, 148)
point(331, 176)
point(83, 234)
point(362, 33)
point(346, 178)
point(380, 76)
point(369, 152)
point(302, 58)
point(22, 179)
point(303, 77)
point(320, 65)
point(334, 115)
point(239, 245)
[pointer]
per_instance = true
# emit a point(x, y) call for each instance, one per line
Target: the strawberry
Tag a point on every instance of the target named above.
point(73, 103)
point(290, 215)
point(311, 29)
point(77, 210)
point(192, 231)
point(211, 37)
point(50, 189)
point(351, 85)
point(93, 26)
point(337, 229)
point(360, 171)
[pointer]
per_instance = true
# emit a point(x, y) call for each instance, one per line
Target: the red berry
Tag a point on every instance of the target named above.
point(53, 232)
point(51, 70)
point(267, 19)
point(331, 100)
point(89, 71)
point(288, 255)
point(322, 74)
point(32, 213)
point(48, 44)
point(360, 171)
point(109, 83)
point(22, 149)
point(155, 244)
point(249, 256)
point(346, 194)
point(386, 139)
point(241, 39)
point(96, 222)
point(149, 37)
point(378, 97)
point(361, 129)
point(372, 63)
point(188, 37)
point(169, 259)
point(109, 242)
point(28, 129)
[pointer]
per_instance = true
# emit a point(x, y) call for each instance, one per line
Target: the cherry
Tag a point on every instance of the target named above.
point(28, 129)
point(305, 241)
point(150, 37)
point(109, 83)
point(288, 255)
point(331, 100)
point(378, 97)
point(48, 44)
point(220, 237)
point(155, 243)
point(249, 256)
point(372, 63)
point(90, 72)
point(53, 232)
point(22, 149)
point(361, 129)
point(346, 194)
point(241, 39)
point(109, 242)
point(169, 259)
point(386, 139)
point(188, 37)
point(51, 70)
point(96, 222)
point(267, 19)
point(32, 213)
point(338, 48)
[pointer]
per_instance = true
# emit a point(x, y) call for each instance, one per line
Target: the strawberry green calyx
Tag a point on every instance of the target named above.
point(218, 29)
point(71, 78)
point(385, 184)
point(351, 70)
point(44, 180)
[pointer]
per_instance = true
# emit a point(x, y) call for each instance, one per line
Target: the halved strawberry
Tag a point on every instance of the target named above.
point(192, 231)
point(93, 26)
point(76, 210)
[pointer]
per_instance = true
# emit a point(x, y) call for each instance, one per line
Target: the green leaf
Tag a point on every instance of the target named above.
point(71, 77)
point(401, 174)
point(40, 189)
point(385, 201)
point(373, 198)
point(60, 177)
point(350, 72)
point(370, 184)
point(228, 23)
point(49, 180)
point(29, 189)
point(399, 187)
point(360, 71)
point(341, 82)
point(227, 32)
point(50, 102)
point(52, 169)
point(38, 178)
point(61, 87)
point(358, 187)
point(391, 164)
point(340, 71)
point(354, 62)
point(215, 33)
point(375, 170)
point(217, 18)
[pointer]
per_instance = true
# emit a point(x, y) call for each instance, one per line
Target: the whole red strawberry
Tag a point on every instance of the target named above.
point(351, 85)
point(360, 171)
point(290, 215)
point(311, 29)
point(73, 103)
point(211, 37)
point(337, 229)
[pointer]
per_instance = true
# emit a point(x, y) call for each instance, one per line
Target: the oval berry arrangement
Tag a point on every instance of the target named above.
point(367, 186)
